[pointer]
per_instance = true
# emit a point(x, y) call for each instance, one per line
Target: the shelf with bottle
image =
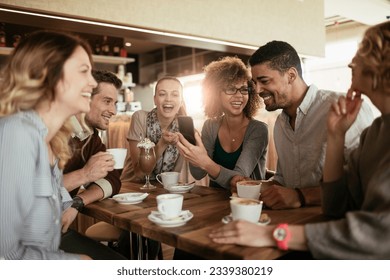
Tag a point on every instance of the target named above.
point(117, 60)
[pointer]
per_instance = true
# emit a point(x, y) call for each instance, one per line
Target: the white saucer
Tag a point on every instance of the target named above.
point(264, 219)
point(179, 188)
point(183, 218)
point(130, 198)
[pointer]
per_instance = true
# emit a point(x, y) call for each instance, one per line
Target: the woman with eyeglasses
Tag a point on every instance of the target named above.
point(232, 142)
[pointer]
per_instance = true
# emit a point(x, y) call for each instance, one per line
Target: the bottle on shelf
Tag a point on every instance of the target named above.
point(16, 41)
point(105, 46)
point(116, 49)
point(3, 37)
point(123, 52)
point(97, 49)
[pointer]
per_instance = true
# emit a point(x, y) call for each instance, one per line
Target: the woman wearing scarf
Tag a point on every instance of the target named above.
point(160, 126)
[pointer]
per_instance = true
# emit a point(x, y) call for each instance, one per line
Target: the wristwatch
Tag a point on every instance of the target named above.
point(78, 203)
point(282, 236)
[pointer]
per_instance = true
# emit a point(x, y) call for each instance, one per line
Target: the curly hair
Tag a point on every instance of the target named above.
point(374, 54)
point(220, 74)
point(31, 74)
point(280, 55)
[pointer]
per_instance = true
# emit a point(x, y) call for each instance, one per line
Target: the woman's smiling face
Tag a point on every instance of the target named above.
point(75, 88)
point(234, 104)
point(168, 98)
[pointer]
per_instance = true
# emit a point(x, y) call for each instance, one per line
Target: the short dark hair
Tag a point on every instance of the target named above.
point(280, 55)
point(103, 76)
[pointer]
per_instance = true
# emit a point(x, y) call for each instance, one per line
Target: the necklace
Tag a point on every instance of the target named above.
point(233, 139)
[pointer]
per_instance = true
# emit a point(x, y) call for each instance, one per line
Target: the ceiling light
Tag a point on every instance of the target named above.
point(124, 27)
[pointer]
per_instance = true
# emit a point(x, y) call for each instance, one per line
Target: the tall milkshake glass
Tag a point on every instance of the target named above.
point(147, 161)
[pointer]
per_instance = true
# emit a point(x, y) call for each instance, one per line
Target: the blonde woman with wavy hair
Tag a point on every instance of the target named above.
point(46, 80)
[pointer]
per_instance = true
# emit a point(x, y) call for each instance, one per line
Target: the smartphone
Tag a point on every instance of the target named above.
point(186, 127)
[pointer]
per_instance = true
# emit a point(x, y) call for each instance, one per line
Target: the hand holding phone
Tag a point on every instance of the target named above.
point(186, 127)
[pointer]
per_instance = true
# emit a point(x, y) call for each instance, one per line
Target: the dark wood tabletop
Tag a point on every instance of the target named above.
point(208, 206)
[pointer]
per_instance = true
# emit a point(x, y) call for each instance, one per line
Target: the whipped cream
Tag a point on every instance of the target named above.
point(145, 143)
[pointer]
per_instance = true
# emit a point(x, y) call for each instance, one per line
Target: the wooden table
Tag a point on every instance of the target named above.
point(209, 206)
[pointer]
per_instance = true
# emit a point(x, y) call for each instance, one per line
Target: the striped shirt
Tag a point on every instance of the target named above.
point(32, 196)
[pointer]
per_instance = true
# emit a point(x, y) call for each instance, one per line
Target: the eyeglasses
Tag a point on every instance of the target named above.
point(233, 90)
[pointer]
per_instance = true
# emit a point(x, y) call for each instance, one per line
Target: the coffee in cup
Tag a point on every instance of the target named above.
point(246, 209)
point(169, 205)
point(168, 179)
point(119, 155)
point(249, 189)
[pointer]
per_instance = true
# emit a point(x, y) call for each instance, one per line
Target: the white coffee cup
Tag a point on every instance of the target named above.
point(168, 179)
point(169, 205)
point(119, 155)
point(246, 209)
point(248, 189)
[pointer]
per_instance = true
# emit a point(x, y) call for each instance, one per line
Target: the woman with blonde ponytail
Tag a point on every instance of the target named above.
point(46, 80)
